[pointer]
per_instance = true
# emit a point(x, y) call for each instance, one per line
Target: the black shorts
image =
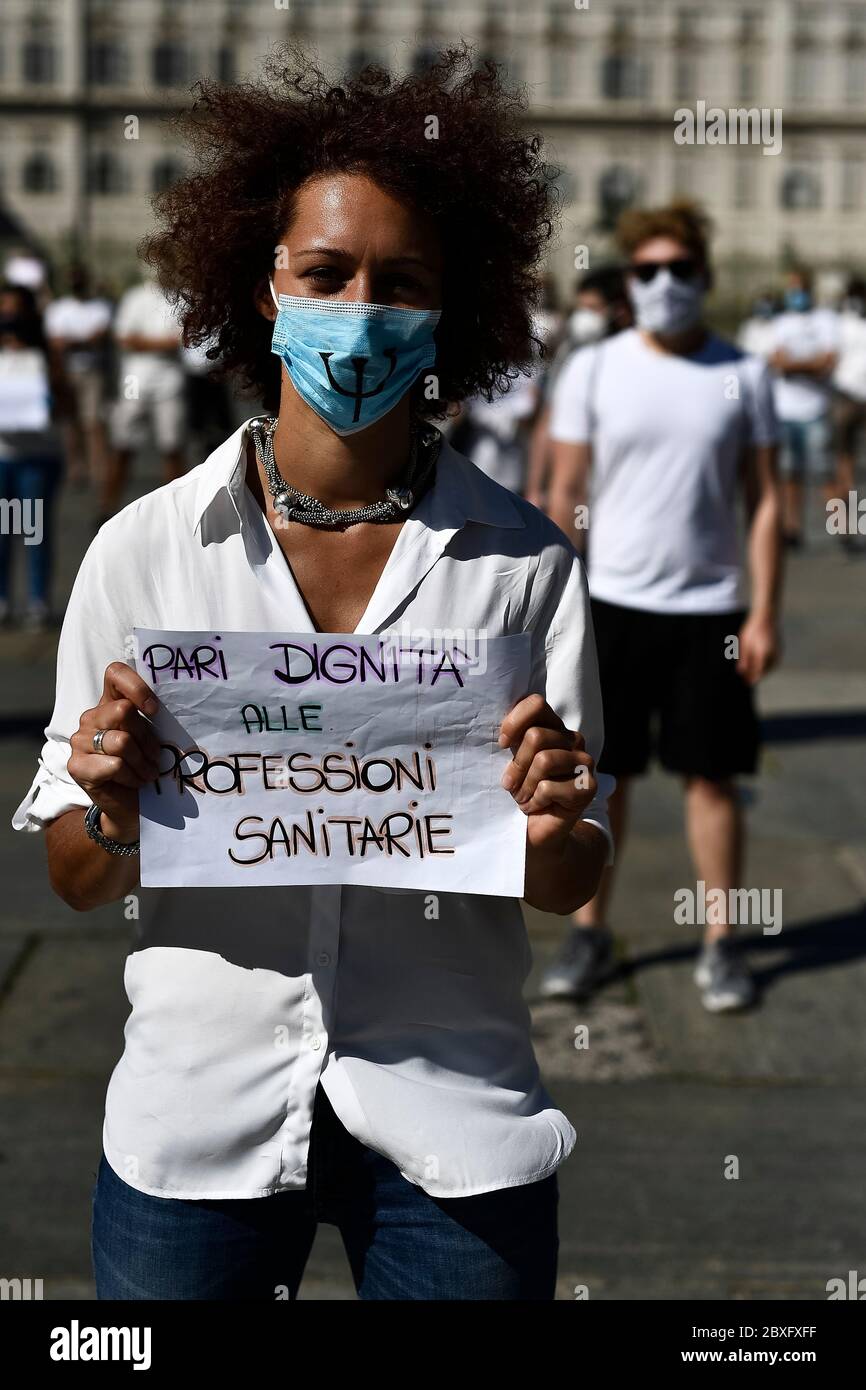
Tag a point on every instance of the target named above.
point(668, 687)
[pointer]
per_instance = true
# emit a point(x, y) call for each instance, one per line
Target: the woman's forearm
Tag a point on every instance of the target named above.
point(562, 880)
point(82, 873)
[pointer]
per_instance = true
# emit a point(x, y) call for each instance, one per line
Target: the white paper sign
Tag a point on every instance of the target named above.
point(300, 758)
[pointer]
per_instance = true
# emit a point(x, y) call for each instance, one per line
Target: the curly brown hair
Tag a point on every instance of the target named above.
point(682, 220)
point(483, 182)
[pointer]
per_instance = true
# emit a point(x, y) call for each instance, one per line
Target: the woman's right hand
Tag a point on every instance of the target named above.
point(130, 750)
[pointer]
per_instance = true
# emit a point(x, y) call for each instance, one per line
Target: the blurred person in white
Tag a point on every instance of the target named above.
point(33, 399)
point(601, 309)
point(849, 405)
point(77, 326)
point(757, 332)
point(404, 1102)
point(209, 406)
point(496, 433)
point(151, 399)
point(660, 428)
point(804, 354)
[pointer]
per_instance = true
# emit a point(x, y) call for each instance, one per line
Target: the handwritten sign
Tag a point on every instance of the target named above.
point(302, 758)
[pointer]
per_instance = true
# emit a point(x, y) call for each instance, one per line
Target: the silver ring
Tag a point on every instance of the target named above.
point(97, 739)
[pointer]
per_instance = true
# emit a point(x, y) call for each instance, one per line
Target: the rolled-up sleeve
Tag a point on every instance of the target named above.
point(568, 662)
point(92, 636)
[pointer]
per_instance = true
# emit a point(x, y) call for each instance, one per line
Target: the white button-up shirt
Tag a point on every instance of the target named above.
point(407, 1006)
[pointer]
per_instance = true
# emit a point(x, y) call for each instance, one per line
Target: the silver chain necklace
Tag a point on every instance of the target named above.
point(298, 506)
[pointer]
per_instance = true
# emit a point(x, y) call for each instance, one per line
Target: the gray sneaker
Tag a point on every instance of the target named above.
point(723, 978)
point(584, 961)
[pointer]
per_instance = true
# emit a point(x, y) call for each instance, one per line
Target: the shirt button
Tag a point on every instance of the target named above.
point(315, 1043)
point(323, 958)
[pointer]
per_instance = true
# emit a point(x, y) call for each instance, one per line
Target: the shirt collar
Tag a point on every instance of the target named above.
point(460, 493)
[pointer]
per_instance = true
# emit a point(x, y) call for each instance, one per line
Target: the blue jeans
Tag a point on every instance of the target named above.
point(804, 449)
point(30, 480)
point(401, 1242)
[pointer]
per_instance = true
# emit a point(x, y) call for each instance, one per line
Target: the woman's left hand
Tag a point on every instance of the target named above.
point(551, 777)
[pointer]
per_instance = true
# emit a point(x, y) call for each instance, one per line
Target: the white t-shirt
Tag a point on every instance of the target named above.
point(26, 428)
point(804, 335)
point(78, 319)
point(667, 434)
point(146, 311)
point(850, 374)
point(758, 336)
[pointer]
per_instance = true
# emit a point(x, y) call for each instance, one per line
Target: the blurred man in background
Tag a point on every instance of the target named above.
point(804, 354)
point(151, 389)
point(601, 308)
point(77, 326)
point(664, 422)
point(757, 332)
point(496, 433)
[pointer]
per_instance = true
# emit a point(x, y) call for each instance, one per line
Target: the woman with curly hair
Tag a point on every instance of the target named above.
point(364, 256)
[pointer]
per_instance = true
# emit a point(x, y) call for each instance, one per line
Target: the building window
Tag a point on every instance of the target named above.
point(39, 174)
point(423, 58)
point(359, 59)
point(106, 174)
point(855, 76)
point(566, 183)
point(38, 61)
point(744, 181)
point(685, 76)
point(300, 13)
point(165, 172)
point(560, 71)
point(852, 184)
point(746, 84)
point(687, 172)
point(107, 63)
point(687, 24)
point(806, 76)
point(618, 188)
point(170, 65)
point(623, 77)
point(226, 67)
point(801, 189)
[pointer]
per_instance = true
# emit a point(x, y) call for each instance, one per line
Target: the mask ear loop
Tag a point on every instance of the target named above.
point(273, 293)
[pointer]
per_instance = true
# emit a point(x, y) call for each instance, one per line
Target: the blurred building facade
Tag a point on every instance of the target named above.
point(86, 85)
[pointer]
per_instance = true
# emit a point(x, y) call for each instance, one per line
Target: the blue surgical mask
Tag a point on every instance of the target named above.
point(351, 362)
point(798, 301)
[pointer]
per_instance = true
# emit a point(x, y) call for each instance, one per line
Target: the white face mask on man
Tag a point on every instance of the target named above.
point(587, 326)
point(666, 303)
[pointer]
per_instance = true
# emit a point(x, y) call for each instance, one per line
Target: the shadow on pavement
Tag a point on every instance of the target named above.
point(813, 727)
point(810, 946)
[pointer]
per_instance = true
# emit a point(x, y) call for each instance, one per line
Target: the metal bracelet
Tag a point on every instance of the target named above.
point(91, 826)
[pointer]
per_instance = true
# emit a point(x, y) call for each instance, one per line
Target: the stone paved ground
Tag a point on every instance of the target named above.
point(663, 1094)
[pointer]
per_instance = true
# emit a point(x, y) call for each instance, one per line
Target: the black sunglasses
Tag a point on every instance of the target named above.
point(685, 268)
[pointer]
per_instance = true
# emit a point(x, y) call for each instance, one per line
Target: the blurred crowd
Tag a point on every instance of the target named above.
point(816, 353)
point(86, 382)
